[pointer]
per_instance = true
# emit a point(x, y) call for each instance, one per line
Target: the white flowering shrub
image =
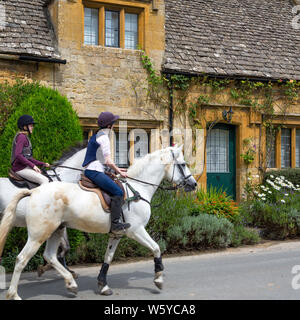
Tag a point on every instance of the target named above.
point(277, 190)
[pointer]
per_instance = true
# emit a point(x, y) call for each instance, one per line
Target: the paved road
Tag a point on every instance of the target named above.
point(260, 272)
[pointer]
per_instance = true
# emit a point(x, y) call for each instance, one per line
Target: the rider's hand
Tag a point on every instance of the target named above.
point(123, 174)
point(36, 169)
point(47, 165)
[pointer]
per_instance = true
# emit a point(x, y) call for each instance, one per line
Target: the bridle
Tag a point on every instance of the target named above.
point(181, 167)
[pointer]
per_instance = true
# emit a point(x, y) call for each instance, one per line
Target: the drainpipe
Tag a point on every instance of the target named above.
point(171, 109)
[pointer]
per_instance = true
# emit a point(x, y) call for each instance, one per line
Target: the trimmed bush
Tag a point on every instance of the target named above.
point(200, 232)
point(58, 126)
point(244, 236)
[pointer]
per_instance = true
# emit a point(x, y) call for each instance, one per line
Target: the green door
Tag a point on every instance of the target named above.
point(221, 159)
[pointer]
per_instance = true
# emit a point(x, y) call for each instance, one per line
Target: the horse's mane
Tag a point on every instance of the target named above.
point(139, 164)
point(69, 152)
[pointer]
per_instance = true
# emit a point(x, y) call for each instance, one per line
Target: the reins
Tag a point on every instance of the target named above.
point(136, 195)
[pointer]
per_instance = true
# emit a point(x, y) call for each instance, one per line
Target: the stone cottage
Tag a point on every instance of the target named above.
point(213, 53)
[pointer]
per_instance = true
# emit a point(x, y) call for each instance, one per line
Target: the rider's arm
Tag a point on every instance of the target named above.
point(111, 164)
point(105, 147)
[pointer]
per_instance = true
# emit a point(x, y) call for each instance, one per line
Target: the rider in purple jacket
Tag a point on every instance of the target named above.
point(21, 157)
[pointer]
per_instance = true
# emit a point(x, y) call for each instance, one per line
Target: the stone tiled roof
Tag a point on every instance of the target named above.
point(244, 38)
point(26, 29)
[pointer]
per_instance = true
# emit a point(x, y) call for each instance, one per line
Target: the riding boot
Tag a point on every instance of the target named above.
point(116, 208)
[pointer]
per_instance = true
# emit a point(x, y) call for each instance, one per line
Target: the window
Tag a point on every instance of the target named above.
point(91, 29)
point(121, 150)
point(285, 148)
point(298, 148)
point(113, 26)
point(218, 151)
point(140, 144)
point(270, 149)
point(131, 31)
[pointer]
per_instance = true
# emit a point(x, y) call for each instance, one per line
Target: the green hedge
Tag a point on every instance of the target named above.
point(11, 97)
point(57, 126)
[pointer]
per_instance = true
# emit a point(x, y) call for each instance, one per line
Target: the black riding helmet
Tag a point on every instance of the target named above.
point(25, 120)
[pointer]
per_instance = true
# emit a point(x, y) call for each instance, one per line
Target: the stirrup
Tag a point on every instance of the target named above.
point(119, 228)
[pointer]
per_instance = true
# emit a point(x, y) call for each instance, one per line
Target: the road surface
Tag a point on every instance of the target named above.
point(254, 272)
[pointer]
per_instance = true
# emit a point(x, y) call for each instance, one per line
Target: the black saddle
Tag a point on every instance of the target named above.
point(20, 182)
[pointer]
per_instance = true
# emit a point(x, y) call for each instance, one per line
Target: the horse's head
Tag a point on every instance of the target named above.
point(177, 170)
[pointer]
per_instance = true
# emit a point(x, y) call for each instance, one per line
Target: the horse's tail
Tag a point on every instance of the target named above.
point(9, 216)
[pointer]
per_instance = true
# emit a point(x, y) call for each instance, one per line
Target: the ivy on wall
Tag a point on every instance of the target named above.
point(262, 97)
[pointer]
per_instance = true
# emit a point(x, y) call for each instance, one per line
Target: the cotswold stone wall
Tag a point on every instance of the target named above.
point(98, 78)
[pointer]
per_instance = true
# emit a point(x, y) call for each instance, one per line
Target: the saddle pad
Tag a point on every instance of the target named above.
point(104, 204)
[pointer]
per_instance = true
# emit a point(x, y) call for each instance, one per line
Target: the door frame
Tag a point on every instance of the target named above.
point(235, 127)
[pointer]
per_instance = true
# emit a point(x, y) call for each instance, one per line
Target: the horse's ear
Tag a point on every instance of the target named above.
point(178, 150)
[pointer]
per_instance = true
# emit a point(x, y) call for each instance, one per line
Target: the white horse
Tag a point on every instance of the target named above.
point(55, 204)
point(8, 191)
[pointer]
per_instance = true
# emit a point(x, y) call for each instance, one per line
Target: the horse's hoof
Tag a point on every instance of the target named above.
point(12, 297)
point(105, 291)
point(159, 285)
point(40, 271)
point(158, 280)
point(73, 290)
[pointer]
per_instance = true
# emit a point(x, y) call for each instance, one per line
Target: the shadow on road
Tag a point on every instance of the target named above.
point(52, 284)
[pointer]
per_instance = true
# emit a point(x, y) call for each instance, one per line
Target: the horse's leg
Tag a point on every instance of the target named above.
point(50, 255)
point(104, 289)
point(25, 255)
point(143, 237)
point(65, 248)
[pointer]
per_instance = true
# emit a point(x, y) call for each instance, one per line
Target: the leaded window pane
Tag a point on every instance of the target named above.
point(285, 148)
point(298, 148)
point(131, 31)
point(91, 26)
point(121, 150)
point(270, 149)
point(112, 27)
point(218, 151)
